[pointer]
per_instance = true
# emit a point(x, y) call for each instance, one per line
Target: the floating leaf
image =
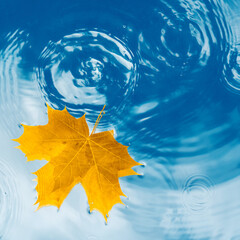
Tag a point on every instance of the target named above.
point(96, 161)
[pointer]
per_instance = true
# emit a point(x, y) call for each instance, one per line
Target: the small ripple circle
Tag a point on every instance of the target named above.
point(197, 193)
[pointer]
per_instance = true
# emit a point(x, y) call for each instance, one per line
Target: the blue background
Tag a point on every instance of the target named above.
point(169, 74)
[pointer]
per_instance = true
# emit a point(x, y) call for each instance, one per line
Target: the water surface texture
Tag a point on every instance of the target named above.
point(169, 74)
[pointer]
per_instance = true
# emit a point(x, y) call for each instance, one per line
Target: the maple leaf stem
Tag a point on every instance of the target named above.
point(98, 120)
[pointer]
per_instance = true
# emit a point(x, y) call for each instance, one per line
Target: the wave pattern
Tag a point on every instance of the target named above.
point(17, 85)
point(9, 199)
point(169, 73)
point(9, 79)
point(87, 69)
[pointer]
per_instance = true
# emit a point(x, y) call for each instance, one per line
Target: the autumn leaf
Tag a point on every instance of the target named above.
point(96, 161)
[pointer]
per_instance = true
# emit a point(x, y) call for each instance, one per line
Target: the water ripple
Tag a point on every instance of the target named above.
point(232, 70)
point(86, 70)
point(197, 193)
point(20, 99)
point(182, 37)
point(9, 200)
point(209, 211)
point(9, 71)
point(19, 94)
point(179, 48)
point(161, 67)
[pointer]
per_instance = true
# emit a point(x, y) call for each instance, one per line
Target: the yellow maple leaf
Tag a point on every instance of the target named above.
point(96, 161)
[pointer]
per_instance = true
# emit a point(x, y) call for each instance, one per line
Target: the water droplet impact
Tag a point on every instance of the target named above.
point(197, 193)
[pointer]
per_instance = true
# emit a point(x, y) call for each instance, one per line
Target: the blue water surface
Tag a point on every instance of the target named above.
point(169, 74)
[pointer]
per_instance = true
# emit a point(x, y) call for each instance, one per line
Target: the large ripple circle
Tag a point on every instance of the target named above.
point(87, 69)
